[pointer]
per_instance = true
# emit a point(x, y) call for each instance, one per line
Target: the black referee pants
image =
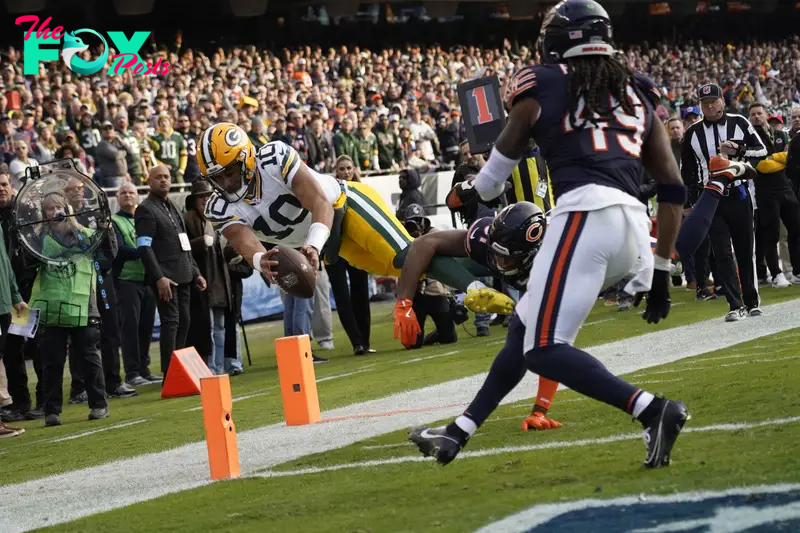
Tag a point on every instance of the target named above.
point(772, 209)
point(733, 223)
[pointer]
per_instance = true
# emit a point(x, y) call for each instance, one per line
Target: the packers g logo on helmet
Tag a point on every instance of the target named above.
point(222, 147)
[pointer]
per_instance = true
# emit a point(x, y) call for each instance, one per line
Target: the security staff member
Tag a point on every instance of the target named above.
point(733, 136)
point(168, 263)
point(138, 313)
point(775, 203)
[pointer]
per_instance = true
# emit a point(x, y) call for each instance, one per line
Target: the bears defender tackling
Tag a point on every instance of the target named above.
point(272, 196)
point(506, 244)
point(594, 121)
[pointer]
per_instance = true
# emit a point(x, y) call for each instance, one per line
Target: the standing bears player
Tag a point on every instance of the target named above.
point(594, 122)
point(272, 196)
point(505, 244)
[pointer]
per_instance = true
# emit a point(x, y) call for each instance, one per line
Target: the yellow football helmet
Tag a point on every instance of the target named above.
point(227, 160)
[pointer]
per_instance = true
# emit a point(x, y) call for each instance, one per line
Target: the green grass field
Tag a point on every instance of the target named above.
point(502, 471)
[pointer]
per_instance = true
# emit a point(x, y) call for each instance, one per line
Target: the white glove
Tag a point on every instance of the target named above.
point(209, 240)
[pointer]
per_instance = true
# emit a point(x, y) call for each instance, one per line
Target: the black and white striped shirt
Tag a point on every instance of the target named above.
point(700, 143)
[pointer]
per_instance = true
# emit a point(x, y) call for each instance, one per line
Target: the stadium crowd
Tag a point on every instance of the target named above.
point(386, 109)
point(347, 111)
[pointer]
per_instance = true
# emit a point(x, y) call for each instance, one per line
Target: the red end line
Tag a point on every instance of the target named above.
point(392, 413)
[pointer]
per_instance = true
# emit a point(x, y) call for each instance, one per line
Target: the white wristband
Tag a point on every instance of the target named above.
point(659, 263)
point(257, 261)
point(491, 180)
point(318, 235)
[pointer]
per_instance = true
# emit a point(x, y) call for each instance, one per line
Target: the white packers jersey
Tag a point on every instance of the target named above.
point(272, 210)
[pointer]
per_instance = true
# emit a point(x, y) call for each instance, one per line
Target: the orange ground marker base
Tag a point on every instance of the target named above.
point(223, 455)
point(298, 382)
point(185, 370)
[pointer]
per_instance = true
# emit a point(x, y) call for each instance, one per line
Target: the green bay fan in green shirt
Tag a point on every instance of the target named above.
point(169, 148)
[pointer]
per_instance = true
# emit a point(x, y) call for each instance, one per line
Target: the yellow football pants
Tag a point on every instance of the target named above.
point(371, 235)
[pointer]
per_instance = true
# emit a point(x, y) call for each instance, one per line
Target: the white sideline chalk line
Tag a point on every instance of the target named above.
point(255, 394)
point(428, 357)
point(337, 376)
point(595, 322)
point(99, 430)
point(656, 381)
point(774, 360)
point(524, 448)
point(145, 477)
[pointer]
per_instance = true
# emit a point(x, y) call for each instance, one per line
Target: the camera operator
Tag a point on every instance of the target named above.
point(70, 312)
point(721, 133)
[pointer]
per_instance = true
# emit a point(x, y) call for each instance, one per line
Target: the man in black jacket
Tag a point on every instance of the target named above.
point(721, 133)
point(168, 263)
point(17, 348)
point(775, 202)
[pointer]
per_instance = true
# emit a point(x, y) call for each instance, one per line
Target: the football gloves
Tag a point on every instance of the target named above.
point(539, 421)
point(406, 327)
point(722, 171)
point(658, 301)
point(486, 300)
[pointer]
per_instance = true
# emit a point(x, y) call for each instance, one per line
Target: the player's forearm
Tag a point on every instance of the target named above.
point(669, 221)
point(244, 241)
point(419, 256)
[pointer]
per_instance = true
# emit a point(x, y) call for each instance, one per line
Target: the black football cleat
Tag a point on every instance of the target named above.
point(662, 431)
point(436, 442)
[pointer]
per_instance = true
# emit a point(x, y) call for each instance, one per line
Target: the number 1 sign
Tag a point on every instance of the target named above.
point(482, 110)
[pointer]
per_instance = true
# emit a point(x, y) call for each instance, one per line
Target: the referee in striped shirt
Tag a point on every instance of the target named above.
point(731, 135)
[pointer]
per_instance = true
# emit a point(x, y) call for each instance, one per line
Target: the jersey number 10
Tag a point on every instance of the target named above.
point(630, 143)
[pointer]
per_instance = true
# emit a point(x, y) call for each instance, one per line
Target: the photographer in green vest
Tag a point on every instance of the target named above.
point(139, 310)
point(66, 296)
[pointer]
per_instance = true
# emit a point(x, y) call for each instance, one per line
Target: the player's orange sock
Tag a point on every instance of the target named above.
point(544, 397)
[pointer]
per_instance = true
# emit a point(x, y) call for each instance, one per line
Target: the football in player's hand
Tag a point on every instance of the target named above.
point(295, 274)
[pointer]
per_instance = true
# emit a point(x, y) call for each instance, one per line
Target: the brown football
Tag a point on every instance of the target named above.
point(295, 274)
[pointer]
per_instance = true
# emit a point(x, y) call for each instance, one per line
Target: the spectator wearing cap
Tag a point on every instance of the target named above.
point(169, 148)
point(320, 147)
point(21, 162)
point(776, 123)
point(390, 151)
point(137, 315)
point(730, 135)
point(133, 152)
point(88, 135)
point(345, 142)
point(27, 130)
point(410, 183)
point(281, 132)
point(690, 115)
point(431, 298)
point(111, 159)
point(367, 147)
point(209, 305)
point(775, 203)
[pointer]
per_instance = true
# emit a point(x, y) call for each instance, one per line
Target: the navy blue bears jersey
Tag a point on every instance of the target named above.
point(579, 152)
point(477, 246)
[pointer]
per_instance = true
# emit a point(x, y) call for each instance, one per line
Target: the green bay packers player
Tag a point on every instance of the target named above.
point(271, 196)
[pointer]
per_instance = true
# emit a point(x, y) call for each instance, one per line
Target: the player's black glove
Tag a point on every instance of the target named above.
point(658, 301)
